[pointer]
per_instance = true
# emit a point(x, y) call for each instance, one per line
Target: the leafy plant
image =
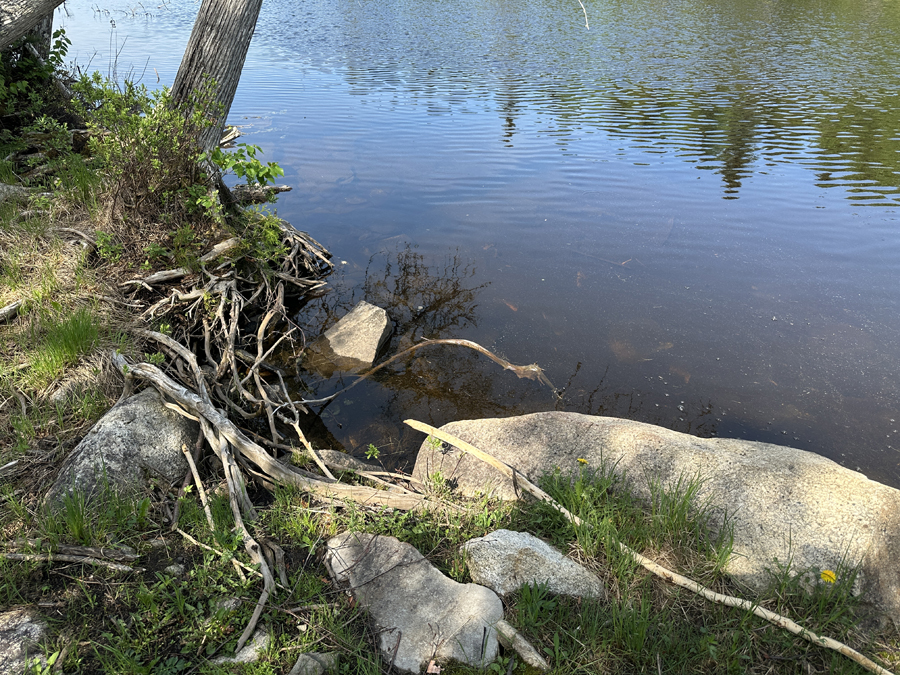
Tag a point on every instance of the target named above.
point(244, 164)
point(372, 452)
point(107, 248)
point(535, 605)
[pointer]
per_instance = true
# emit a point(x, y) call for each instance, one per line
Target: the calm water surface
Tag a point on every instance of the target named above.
point(687, 214)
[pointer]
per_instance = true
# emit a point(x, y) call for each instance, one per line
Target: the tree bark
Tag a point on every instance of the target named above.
point(216, 51)
point(42, 33)
point(17, 17)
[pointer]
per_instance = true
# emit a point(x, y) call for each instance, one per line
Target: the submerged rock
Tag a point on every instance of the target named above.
point(352, 344)
point(418, 613)
point(784, 505)
point(136, 441)
point(504, 561)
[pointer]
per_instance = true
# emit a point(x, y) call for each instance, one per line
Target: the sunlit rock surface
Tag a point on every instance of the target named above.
point(504, 561)
point(417, 613)
point(20, 632)
point(352, 344)
point(134, 442)
point(783, 504)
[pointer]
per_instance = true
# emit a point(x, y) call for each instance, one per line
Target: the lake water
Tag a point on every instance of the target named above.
point(687, 214)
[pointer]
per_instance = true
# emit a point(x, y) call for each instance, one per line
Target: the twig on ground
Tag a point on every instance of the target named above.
point(56, 557)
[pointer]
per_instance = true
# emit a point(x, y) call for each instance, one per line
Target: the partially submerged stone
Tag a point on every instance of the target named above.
point(352, 344)
point(504, 561)
point(136, 441)
point(784, 504)
point(418, 613)
point(20, 632)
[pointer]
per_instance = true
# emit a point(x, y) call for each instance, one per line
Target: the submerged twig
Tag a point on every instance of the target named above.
point(530, 372)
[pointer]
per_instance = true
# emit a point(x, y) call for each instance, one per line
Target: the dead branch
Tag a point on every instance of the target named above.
point(530, 372)
point(246, 194)
point(80, 559)
point(9, 312)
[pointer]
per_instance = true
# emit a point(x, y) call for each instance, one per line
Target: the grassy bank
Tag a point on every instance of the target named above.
point(158, 621)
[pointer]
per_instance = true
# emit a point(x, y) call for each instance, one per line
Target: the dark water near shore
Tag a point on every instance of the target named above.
point(688, 214)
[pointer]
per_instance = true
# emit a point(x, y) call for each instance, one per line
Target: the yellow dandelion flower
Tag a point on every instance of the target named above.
point(582, 460)
point(828, 576)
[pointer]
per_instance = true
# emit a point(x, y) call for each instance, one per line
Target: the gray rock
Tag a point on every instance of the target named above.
point(418, 613)
point(135, 441)
point(20, 632)
point(315, 664)
point(504, 561)
point(176, 570)
point(352, 344)
point(783, 504)
point(16, 192)
point(251, 651)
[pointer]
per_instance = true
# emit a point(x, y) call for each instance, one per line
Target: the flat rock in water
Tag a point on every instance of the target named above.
point(136, 441)
point(20, 632)
point(418, 613)
point(783, 504)
point(504, 561)
point(352, 344)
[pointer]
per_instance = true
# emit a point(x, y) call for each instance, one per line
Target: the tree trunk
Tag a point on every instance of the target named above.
point(216, 51)
point(17, 17)
point(42, 34)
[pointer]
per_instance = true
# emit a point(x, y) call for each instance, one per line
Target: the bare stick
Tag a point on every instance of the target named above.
point(56, 557)
point(515, 476)
point(586, 24)
point(530, 372)
point(9, 312)
point(199, 483)
point(659, 570)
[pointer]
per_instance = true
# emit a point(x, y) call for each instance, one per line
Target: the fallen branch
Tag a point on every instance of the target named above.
point(510, 638)
point(57, 557)
point(245, 194)
point(9, 312)
point(530, 372)
point(658, 570)
point(84, 551)
point(254, 453)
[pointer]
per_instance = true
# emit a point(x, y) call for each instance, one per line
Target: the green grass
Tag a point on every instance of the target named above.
point(156, 623)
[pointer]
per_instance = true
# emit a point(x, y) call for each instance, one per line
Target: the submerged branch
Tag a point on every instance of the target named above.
point(530, 372)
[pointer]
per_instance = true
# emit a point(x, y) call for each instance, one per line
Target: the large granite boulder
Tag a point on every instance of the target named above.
point(352, 344)
point(784, 504)
point(136, 441)
point(417, 613)
point(504, 561)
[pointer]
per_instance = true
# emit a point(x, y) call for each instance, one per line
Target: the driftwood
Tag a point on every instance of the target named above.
point(60, 557)
point(510, 638)
point(257, 194)
point(165, 276)
point(9, 312)
point(660, 571)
